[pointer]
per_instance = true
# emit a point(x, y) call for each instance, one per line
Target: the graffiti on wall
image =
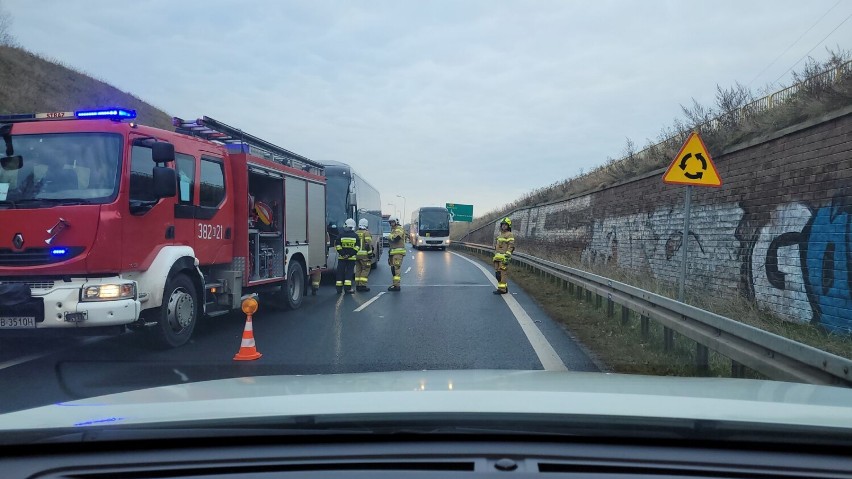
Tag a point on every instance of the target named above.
point(828, 264)
point(566, 220)
point(801, 263)
point(799, 259)
point(648, 244)
point(793, 259)
point(775, 263)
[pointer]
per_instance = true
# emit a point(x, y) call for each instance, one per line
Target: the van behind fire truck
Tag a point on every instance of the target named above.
point(107, 224)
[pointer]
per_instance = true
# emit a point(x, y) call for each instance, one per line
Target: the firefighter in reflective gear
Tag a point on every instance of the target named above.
point(396, 243)
point(504, 245)
point(365, 256)
point(347, 250)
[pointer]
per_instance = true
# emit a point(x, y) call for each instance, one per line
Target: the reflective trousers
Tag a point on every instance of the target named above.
point(362, 271)
point(395, 262)
point(501, 270)
point(316, 276)
point(345, 272)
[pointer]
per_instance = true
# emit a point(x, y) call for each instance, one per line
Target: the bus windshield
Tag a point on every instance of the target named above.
point(337, 199)
point(436, 222)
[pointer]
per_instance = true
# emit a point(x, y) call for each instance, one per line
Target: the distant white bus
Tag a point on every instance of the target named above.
point(430, 228)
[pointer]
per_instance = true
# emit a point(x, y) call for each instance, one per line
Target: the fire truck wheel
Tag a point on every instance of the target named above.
point(177, 317)
point(292, 294)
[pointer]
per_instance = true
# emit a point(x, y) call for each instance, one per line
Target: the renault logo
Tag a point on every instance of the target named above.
point(18, 241)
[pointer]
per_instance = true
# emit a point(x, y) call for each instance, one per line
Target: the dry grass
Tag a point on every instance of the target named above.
point(31, 83)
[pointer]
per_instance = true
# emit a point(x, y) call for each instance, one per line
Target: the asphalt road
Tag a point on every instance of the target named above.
point(445, 317)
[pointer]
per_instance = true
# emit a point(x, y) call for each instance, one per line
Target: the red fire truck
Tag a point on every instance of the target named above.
point(105, 223)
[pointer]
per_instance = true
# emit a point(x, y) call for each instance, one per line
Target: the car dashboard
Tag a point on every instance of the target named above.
point(402, 455)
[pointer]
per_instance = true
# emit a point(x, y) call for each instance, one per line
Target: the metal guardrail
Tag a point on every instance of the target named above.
point(769, 354)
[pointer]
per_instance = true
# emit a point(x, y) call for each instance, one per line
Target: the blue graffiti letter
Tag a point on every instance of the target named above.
point(828, 260)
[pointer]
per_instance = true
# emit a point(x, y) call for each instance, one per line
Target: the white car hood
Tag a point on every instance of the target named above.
point(518, 392)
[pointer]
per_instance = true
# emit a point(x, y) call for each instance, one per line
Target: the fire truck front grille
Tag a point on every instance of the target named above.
point(33, 283)
point(37, 256)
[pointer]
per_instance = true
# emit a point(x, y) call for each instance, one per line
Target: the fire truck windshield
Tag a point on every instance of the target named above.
point(73, 167)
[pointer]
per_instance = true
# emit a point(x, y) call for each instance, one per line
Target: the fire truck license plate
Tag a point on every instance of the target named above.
point(17, 322)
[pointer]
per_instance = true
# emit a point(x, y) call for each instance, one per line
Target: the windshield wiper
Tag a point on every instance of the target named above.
point(53, 201)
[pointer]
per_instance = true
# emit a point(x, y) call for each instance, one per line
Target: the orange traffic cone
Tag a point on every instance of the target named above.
point(248, 351)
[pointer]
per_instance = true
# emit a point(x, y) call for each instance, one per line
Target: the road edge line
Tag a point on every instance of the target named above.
point(547, 356)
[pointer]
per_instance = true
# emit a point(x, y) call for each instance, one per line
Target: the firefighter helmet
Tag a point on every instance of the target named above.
point(349, 224)
point(507, 221)
point(362, 224)
point(263, 212)
point(393, 219)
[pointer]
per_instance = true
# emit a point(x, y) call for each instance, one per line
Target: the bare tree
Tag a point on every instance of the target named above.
point(730, 101)
point(814, 82)
point(6, 37)
point(697, 115)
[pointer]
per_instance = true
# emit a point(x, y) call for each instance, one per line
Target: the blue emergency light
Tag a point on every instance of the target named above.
point(113, 113)
point(58, 251)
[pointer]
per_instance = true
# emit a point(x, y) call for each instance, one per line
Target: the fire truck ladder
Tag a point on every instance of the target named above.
point(238, 141)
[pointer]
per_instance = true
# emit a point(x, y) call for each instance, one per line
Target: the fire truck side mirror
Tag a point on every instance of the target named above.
point(162, 152)
point(165, 181)
point(10, 163)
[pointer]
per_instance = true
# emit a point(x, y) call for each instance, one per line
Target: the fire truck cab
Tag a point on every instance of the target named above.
point(107, 223)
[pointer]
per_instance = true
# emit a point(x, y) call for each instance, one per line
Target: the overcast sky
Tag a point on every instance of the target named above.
point(462, 101)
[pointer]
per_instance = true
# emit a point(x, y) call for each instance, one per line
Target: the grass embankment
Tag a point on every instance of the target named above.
point(30, 83)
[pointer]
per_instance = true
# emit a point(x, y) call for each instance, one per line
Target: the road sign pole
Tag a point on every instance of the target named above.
point(684, 245)
point(691, 166)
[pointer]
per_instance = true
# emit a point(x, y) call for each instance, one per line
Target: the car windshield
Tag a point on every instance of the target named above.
point(629, 213)
point(66, 166)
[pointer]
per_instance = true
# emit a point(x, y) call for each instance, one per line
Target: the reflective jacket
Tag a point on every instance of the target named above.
point(365, 243)
point(504, 243)
point(396, 241)
point(347, 245)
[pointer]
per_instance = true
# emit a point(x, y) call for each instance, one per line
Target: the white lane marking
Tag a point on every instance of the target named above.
point(545, 352)
point(33, 357)
point(406, 271)
point(24, 359)
point(369, 302)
